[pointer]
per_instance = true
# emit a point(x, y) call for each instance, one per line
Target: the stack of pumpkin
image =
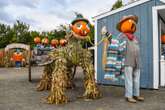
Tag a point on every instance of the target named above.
point(54, 42)
point(115, 59)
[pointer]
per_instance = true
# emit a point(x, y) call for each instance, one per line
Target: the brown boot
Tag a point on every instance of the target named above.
point(138, 98)
point(131, 100)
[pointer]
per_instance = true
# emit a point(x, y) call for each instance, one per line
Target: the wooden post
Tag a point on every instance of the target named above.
point(74, 72)
point(30, 64)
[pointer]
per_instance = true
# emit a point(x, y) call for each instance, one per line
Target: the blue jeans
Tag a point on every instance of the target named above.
point(132, 82)
point(18, 64)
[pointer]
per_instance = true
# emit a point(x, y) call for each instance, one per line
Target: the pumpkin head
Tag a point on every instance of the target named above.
point(81, 28)
point(37, 40)
point(45, 40)
point(128, 26)
point(163, 39)
point(63, 42)
point(54, 42)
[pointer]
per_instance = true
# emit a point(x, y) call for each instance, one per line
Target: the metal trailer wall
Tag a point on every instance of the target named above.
point(144, 33)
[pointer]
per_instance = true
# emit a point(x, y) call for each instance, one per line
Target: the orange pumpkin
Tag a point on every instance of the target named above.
point(128, 26)
point(54, 42)
point(63, 42)
point(80, 28)
point(1, 54)
point(45, 40)
point(163, 39)
point(37, 40)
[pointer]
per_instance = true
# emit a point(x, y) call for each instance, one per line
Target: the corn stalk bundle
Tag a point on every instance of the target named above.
point(91, 89)
point(45, 82)
point(59, 83)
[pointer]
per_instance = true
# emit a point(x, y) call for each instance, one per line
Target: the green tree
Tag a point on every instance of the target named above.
point(5, 35)
point(118, 4)
point(21, 33)
point(58, 33)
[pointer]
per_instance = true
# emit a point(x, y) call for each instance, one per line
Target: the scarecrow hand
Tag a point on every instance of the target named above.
point(104, 30)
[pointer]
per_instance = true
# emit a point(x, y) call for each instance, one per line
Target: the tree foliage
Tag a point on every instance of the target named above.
point(5, 35)
point(20, 33)
point(118, 4)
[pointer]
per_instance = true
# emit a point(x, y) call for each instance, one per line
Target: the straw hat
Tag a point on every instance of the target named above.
point(133, 17)
point(79, 17)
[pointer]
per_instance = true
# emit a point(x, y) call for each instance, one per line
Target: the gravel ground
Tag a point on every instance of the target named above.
point(16, 93)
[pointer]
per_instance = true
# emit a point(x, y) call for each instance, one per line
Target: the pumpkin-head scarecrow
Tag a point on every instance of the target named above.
point(127, 25)
point(17, 58)
point(59, 75)
point(80, 27)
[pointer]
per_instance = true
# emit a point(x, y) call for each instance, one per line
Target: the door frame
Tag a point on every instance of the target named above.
point(156, 44)
point(95, 52)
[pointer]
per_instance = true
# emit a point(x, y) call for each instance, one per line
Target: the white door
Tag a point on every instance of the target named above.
point(158, 64)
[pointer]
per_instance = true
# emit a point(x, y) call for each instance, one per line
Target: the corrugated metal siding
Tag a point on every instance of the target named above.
point(144, 33)
point(100, 72)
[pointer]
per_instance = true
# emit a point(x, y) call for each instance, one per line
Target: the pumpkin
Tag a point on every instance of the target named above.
point(45, 40)
point(37, 40)
point(128, 26)
point(1, 54)
point(63, 42)
point(163, 39)
point(80, 28)
point(54, 42)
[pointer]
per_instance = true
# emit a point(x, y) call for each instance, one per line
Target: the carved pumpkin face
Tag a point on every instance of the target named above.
point(63, 42)
point(81, 29)
point(128, 26)
point(37, 40)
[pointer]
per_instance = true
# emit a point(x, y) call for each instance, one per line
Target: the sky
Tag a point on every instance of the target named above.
point(46, 15)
